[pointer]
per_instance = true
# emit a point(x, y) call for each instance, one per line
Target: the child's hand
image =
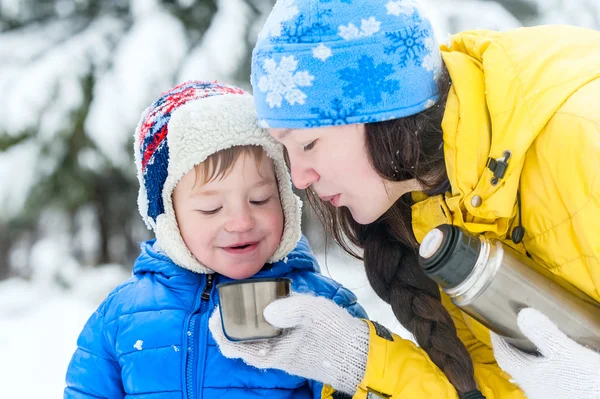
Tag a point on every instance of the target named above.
point(321, 342)
point(564, 370)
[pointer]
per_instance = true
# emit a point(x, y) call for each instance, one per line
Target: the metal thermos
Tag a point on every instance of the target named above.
point(492, 282)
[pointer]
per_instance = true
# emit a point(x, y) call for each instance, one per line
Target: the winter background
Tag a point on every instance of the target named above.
point(74, 77)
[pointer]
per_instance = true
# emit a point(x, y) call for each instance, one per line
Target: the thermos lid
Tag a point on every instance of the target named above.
point(448, 255)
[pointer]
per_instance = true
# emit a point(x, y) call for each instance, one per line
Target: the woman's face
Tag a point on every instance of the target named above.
point(334, 161)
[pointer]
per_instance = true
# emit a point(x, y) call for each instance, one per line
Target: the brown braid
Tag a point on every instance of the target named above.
point(397, 278)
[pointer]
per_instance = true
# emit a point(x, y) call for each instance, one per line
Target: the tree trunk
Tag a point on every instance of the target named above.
point(5, 245)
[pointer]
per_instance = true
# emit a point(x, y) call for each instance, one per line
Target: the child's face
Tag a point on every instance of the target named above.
point(232, 225)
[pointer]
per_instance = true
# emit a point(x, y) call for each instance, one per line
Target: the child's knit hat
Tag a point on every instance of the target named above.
point(180, 130)
point(336, 62)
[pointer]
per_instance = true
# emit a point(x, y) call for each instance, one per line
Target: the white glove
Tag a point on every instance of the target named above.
point(564, 370)
point(321, 342)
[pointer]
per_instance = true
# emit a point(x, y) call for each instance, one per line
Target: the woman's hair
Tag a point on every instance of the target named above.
point(403, 149)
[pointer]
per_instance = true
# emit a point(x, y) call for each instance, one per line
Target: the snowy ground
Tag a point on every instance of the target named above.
point(37, 337)
point(39, 324)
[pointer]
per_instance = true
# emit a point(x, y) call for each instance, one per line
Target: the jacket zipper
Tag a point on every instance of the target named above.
point(207, 288)
point(191, 332)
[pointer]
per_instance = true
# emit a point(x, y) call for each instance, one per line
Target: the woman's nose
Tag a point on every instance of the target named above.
point(302, 175)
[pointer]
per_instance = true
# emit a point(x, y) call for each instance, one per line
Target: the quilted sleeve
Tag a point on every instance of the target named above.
point(94, 371)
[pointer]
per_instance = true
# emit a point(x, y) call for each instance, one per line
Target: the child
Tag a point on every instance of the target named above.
point(215, 189)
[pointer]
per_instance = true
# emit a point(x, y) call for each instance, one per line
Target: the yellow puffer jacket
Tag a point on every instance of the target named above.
point(536, 93)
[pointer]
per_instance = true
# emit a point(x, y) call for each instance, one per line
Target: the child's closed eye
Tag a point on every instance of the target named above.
point(210, 211)
point(261, 202)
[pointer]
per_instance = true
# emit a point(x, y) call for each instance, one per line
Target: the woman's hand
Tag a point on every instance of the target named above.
point(564, 370)
point(321, 342)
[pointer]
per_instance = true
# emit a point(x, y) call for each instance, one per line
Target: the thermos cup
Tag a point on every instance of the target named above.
point(243, 303)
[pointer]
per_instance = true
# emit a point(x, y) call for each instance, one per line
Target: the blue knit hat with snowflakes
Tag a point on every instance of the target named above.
point(335, 62)
point(180, 130)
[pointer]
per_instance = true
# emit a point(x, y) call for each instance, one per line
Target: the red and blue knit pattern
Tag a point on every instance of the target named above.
point(153, 140)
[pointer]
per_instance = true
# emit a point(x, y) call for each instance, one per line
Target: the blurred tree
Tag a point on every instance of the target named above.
point(76, 75)
point(523, 10)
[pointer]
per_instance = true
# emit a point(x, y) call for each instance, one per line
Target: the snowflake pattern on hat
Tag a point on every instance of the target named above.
point(398, 8)
point(368, 27)
point(338, 114)
point(322, 52)
point(297, 31)
point(376, 80)
point(409, 44)
point(327, 62)
point(282, 82)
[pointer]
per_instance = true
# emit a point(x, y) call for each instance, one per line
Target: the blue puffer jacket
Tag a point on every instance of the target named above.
point(150, 339)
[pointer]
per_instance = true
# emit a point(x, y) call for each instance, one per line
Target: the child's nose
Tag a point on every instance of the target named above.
point(240, 222)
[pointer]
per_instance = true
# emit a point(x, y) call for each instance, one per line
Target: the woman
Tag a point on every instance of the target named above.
point(499, 134)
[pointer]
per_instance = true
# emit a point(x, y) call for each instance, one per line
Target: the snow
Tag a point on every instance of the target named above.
point(46, 76)
point(38, 40)
point(40, 82)
point(227, 31)
point(19, 158)
point(64, 8)
point(39, 325)
point(38, 335)
point(584, 13)
point(10, 8)
point(450, 16)
point(145, 62)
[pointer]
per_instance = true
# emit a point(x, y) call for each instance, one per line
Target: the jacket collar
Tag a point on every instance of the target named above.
point(153, 260)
